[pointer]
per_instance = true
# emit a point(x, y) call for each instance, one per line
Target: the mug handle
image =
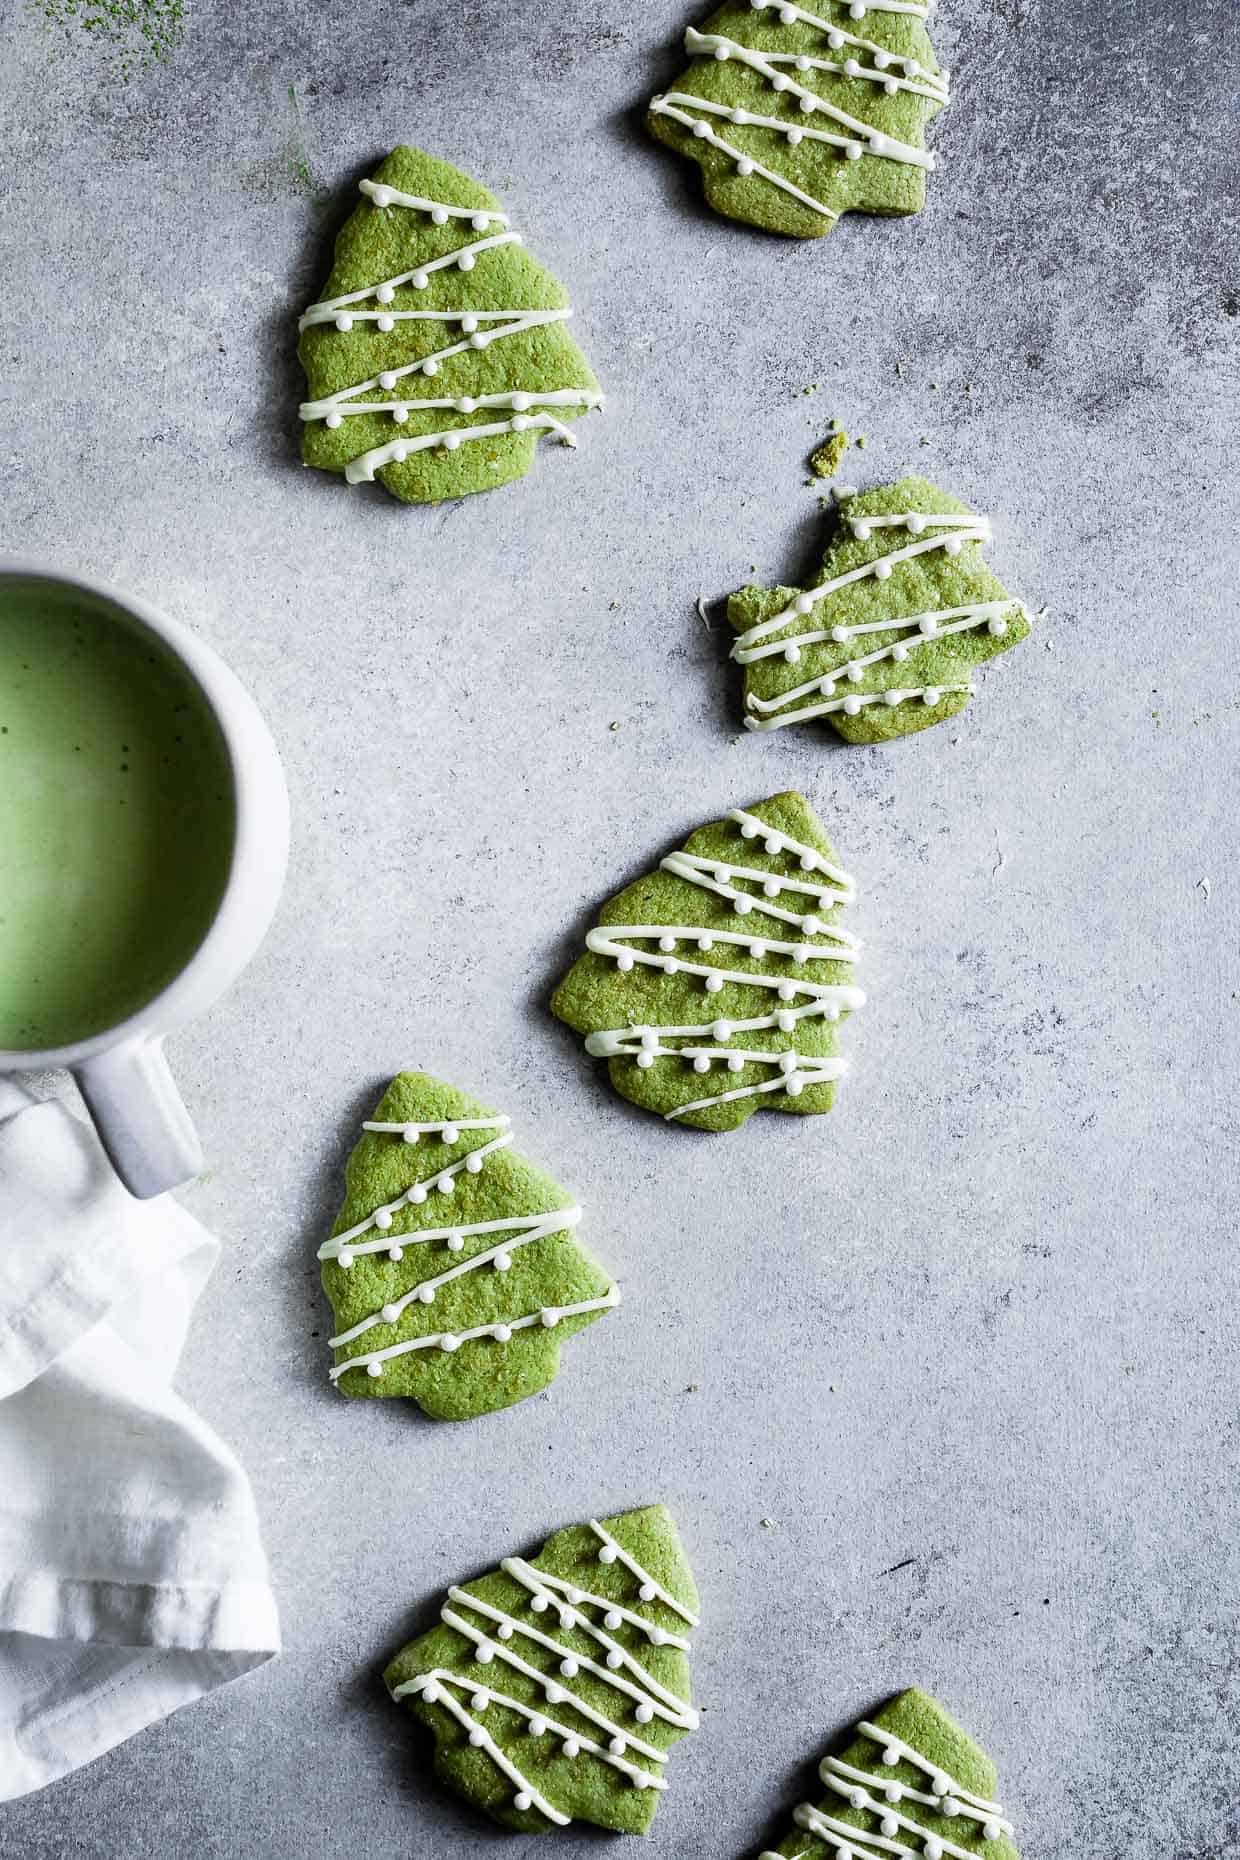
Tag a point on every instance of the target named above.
point(142, 1123)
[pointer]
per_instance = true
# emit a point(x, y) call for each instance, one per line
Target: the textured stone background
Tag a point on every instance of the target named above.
point(1011, 1249)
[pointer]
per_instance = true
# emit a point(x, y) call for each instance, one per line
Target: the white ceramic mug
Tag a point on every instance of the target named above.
point(122, 1072)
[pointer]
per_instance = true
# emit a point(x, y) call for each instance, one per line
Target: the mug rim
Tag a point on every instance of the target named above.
point(237, 928)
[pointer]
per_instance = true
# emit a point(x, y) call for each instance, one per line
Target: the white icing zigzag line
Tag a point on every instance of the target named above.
point(448, 1341)
point(853, 704)
point(808, 857)
point(831, 994)
point(384, 195)
point(444, 1180)
point(335, 309)
point(875, 141)
point(344, 400)
point(363, 468)
point(426, 1686)
point(792, 132)
point(615, 1613)
point(716, 875)
point(431, 1689)
point(649, 1590)
point(926, 635)
point(855, 1842)
point(618, 1042)
point(424, 1293)
point(570, 1616)
point(894, 1748)
point(929, 624)
point(842, 1776)
point(448, 1131)
point(669, 936)
point(454, 1236)
point(837, 38)
point(463, 403)
point(852, 68)
point(800, 1070)
point(826, 1071)
point(645, 1697)
point(554, 1692)
point(881, 568)
point(745, 164)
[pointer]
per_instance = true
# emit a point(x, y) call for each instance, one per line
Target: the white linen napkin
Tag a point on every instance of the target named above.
point(132, 1573)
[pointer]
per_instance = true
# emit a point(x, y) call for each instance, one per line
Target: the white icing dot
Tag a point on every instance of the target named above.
point(912, 68)
point(857, 1798)
point(466, 404)
point(396, 1253)
point(894, 1792)
point(344, 1258)
point(861, 530)
point(640, 1779)
point(780, 82)
point(645, 1061)
point(931, 695)
point(915, 523)
point(722, 1031)
point(484, 1653)
point(400, 415)
point(466, 261)
point(417, 1193)
point(667, 942)
point(827, 687)
point(344, 321)
point(624, 962)
point(891, 86)
point(744, 166)
point(835, 38)
point(502, 1333)
point(480, 1701)
point(785, 1021)
point(385, 294)
point(928, 625)
point(949, 1806)
point(758, 951)
point(706, 943)
point(332, 420)
point(701, 131)
point(539, 1604)
point(448, 1343)
point(390, 1313)
point(990, 1831)
point(455, 1242)
point(617, 1746)
point(881, 60)
point(802, 63)
point(550, 1317)
point(722, 54)
point(713, 984)
point(613, 1618)
point(385, 323)
point(439, 215)
point(889, 1825)
point(503, 1261)
point(571, 1747)
point(538, 1726)
point(852, 706)
point(446, 1184)
point(852, 671)
point(400, 453)
point(788, 15)
point(941, 1784)
point(670, 966)
point(742, 905)
point(450, 441)
point(554, 1694)
point(615, 1659)
point(899, 652)
point(788, 1062)
point(808, 861)
point(473, 1163)
point(607, 1554)
point(656, 1636)
point(388, 380)
point(792, 654)
point(852, 151)
point(892, 698)
point(802, 953)
point(953, 545)
point(430, 1692)
point(576, 1596)
point(831, 1012)
point(419, 280)
point(647, 1591)
point(882, 569)
point(426, 1294)
point(851, 68)
point(480, 222)
point(997, 626)
point(523, 1800)
point(520, 421)
point(811, 926)
point(933, 1849)
point(735, 1063)
point(701, 1063)
point(804, 603)
point(890, 1754)
point(644, 1713)
point(857, 9)
point(374, 1369)
point(382, 197)
point(771, 889)
point(430, 366)
point(570, 1667)
point(878, 143)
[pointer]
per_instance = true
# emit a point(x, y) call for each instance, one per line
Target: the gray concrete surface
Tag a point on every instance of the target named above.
point(972, 1343)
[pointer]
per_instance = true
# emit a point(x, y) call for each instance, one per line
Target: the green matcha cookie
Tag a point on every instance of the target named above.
point(715, 985)
point(438, 355)
point(554, 1689)
point(886, 642)
point(452, 1268)
point(911, 1785)
point(797, 115)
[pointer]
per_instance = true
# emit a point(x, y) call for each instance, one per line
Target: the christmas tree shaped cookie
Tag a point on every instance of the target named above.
point(910, 1785)
point(453, 1268)
point(886, 642)
point(714, 986)
point(797, 115)
point(555, 1688)
point(438, 355)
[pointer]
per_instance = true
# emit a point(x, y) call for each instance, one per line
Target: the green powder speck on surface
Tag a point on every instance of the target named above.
point(135, 34)
point(825, 462)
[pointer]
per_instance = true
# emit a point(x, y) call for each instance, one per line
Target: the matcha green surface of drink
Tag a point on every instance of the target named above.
point(116, 815)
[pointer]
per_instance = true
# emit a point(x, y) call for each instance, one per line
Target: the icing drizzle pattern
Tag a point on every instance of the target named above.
point(639, 1694)
point(852, 136)
point(820, 696)
point(508, 1233)
point(800, 999)
point(881, 1796)
point(528, 407)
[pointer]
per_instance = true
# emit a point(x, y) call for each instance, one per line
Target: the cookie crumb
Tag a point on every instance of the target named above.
point(767, 1524)
point(1203, 886)
point(825, 462)
point(692, 1389)
point(860, 441)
